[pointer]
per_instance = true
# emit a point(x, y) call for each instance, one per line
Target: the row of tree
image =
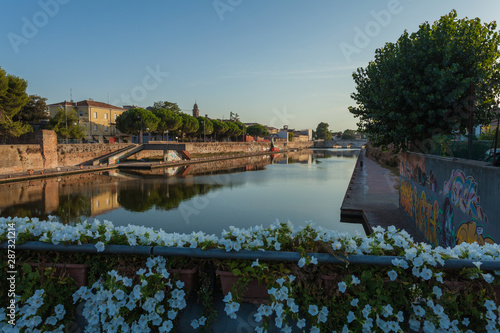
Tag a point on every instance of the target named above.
point(165, 117)
point(18, 111)
point(323, 133)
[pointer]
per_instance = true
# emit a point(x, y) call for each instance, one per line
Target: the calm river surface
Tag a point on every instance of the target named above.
point(302, 186)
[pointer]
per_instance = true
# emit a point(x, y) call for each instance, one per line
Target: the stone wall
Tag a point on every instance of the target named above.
point(84, 153)
point(246, 147)
point(20, 158)
point(451, 200)
point(39, 151)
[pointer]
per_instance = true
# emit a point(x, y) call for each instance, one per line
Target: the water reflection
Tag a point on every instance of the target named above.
point(208, 196)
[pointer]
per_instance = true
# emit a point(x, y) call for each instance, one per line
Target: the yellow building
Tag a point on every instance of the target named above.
point(98, 118)
point(103, 202)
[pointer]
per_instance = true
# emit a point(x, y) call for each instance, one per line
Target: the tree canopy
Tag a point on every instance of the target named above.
point(13, 97)
point(168, 120)
point(322, 131)
point(349, 134)
point(220, 127)
point(66, 125)
point(257, 130)
point(424, 84)
point(135, 119)
point(189, 125)
point(34, 111)
point(206, 129)
point(232, 129)
point(165, 105)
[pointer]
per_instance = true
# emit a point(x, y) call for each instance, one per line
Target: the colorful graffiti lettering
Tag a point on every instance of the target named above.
point(462, 192)
point(426, 216)
point(469, 232)
point(425, 212)
point(406, 197)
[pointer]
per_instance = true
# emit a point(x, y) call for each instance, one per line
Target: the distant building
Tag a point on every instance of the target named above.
point(282, 134)
point(196, 111)
point(308, 133)
point(99, 119)
point(272, 130)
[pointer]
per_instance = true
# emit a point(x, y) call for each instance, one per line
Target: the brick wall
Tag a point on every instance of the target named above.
point(82, 153)
point(247, 147)
point(43, 152)
point(20, 158)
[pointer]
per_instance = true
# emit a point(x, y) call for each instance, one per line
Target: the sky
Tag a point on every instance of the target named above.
point(274, 62)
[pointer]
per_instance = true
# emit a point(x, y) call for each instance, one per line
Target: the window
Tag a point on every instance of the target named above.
point(95, 115)
point(95, 127)
point(116, 116)
point(105, 116)
point(81, 113)
point(105, 128)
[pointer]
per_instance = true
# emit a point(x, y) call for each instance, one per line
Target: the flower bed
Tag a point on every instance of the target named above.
point(412, 293)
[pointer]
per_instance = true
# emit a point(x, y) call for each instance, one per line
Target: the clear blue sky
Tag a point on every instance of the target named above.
point(274, 62)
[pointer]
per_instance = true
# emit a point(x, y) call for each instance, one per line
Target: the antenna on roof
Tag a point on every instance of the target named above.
point(71, 94)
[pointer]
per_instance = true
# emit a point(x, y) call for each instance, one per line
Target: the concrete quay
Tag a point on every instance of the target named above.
point(373, 198)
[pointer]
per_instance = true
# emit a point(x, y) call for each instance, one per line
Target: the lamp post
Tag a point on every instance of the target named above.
point(203, 122)
point(66, 121)
point(140, 133)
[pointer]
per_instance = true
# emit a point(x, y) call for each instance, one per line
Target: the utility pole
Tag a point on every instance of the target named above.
point(471, 119)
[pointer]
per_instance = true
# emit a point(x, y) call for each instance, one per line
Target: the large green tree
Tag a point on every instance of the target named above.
point(205, 126)
point(34, 111)
point(257, 130)
point(168, 120)
point(425, 84)
point(66, 125)
point(220, 128)
point(241, 127)
point(322, 131)
point(233, 130)
point(189, 125)
point(13, 97)
point(135, 120)
point(165, 105)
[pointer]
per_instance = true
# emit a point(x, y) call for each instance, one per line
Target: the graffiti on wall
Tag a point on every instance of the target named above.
point(173, 155)
point(415, 171)
point(447, 217)
point(469, 232)
point(422, 210)
point(461, 192)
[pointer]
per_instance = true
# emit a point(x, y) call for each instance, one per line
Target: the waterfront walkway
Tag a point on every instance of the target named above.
point(374, 197)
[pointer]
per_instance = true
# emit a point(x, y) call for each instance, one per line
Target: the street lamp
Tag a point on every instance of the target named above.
point(140, 133)
point(203, 122)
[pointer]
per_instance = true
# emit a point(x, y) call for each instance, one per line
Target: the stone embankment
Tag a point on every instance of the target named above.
point(41, 155)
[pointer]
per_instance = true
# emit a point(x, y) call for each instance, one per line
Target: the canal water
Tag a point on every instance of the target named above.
point(302, 186)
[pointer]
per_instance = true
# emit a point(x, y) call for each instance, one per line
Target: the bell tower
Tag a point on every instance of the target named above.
point(196, 111)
